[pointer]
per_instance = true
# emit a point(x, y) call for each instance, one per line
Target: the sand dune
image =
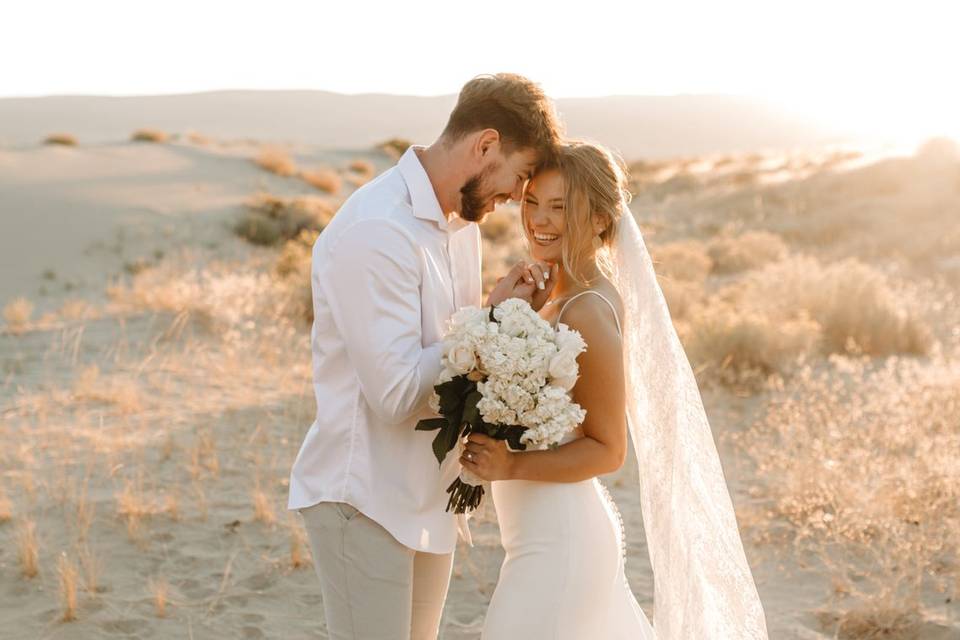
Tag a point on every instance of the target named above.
point(155, 396)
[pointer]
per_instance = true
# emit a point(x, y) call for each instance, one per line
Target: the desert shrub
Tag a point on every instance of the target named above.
point(198, 138)
point(149, 135)
point(324, 179)
point(276, 161)
point(394, 147)
point(747, 251)
point(854, 304)
point(269, 219)
point(685, 260)
point(743, 348)
point(16, 314)
point(363, 167)
point(66, 139)
point(681, 296)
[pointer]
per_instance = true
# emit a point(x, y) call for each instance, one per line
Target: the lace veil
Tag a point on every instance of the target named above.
point(703, 586)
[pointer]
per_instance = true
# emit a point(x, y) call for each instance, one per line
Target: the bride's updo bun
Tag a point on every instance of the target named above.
point(595, 180)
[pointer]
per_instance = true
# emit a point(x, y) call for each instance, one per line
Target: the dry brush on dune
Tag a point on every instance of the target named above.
point(149, 135)
point(270, 219)
point(859, 474)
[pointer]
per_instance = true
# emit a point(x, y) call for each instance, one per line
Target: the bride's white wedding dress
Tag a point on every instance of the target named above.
point(563, 576)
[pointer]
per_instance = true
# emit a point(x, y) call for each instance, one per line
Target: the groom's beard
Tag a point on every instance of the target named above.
point(472, 201)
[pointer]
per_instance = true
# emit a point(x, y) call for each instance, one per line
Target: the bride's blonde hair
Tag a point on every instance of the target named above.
point(594, 179)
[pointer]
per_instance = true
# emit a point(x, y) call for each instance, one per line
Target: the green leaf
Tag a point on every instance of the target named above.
point(470, 412)
point(445, 440)
point(451, 395)
point(512, 436)
point(431, 424)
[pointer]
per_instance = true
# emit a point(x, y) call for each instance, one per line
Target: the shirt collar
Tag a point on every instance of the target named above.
point(422, 196)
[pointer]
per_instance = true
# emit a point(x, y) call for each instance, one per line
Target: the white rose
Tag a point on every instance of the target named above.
point(568, 339)
point(565, 383)
point(563, 366)
point(461, 358)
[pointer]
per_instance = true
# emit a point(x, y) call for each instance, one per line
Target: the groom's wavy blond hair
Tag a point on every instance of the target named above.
point(515, 106)
point(594, 180)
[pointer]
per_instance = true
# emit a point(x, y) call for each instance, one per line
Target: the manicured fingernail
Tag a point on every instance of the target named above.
point(540, 285)
point(547, 275)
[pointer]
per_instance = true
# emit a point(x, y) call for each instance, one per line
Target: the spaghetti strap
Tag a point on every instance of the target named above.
point(603, 297)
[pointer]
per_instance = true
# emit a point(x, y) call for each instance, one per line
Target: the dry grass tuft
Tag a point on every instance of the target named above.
point(17, 314)
point(270, 219)
point(159, 593)
point(75, 309)
point(149, 135)
point(298, 545)
point(276, 161)
point(134, 505)
point(262, 507)
point(203, 456)
point(28, 549)
point(324, 179)
point(67, 572)
point(6, 506)
point(89, 569)
point(65, 139)
point(118, 390)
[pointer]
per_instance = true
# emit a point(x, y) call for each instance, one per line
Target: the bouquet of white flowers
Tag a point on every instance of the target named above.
point(507, 374)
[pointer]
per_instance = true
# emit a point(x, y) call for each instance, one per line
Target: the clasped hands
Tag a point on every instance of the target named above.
point(532, 282)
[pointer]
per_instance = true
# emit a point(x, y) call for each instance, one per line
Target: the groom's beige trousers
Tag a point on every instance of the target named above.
point(374, 587)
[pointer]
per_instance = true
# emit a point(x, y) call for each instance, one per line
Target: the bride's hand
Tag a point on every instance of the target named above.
point(531, 282)
point(487, 458)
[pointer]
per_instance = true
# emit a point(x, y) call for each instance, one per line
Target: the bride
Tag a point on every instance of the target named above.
point(563, 574)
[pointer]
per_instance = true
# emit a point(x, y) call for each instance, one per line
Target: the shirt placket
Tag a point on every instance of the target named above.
point(452, 268)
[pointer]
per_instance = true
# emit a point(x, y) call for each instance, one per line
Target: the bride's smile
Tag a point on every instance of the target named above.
point(542, 209)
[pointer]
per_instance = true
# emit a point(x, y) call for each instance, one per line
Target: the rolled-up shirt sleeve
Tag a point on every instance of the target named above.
point(373, 290)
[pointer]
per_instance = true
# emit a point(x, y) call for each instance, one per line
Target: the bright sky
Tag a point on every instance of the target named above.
point(875, 63)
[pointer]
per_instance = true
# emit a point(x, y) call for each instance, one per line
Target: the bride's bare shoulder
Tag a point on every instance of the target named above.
point(592, 316)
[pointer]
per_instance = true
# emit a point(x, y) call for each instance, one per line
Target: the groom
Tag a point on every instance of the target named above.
point(399, 258)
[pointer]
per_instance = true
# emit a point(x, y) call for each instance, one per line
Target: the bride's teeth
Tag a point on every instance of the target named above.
point(544, 237)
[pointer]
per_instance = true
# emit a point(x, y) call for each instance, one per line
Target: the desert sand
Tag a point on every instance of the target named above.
point(156, 382)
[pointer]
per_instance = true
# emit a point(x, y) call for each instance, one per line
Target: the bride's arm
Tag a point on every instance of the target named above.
point(599, 390)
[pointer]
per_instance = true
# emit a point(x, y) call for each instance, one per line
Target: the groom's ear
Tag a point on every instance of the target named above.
point(488, 141)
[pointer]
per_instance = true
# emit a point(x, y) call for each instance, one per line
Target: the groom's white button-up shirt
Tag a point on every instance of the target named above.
point(387, 274)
